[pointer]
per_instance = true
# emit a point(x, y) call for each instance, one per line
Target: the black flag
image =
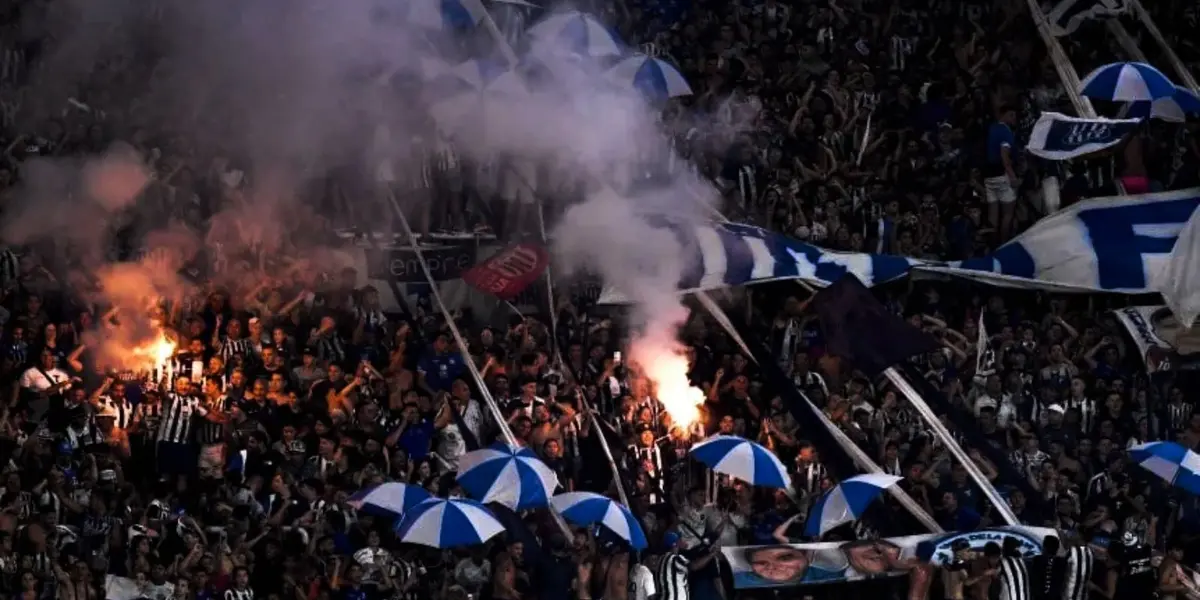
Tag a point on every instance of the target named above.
point(859, 329)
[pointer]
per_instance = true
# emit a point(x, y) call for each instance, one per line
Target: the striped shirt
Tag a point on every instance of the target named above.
point(1179, 415)
point(230, 348)
point(123, 409)
point(1014, 579)
point(178, 412)
point(671, 577)
point(149, 414)
point(211, 432)
point(1079, 573)
point(236, 594)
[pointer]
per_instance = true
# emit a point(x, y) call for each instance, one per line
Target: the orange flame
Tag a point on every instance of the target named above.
point(667, 368)
point(155, 354)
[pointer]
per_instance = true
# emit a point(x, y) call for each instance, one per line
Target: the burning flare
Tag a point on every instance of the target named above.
point(154, 355)
point(666, 366)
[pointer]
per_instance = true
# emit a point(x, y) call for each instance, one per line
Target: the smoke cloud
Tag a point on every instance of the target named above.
point(263, 100)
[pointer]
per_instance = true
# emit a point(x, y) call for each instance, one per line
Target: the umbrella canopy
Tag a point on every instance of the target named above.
point(389, 499)
point(441, 523)
point(578, 33)
point(742, 459)
point(1173, 108)
point(846, 502)
point(586, 508)
point(1175, 464)
point(655, 78)
point(1127, 82)
point(514, 477)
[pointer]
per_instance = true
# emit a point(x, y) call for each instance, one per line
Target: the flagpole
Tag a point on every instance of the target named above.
point(612, 462)
point(1180, 69)
point(463, 348)
point(859, 457)
point(943, 434)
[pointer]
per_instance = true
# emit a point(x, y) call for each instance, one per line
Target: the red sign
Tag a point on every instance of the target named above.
point(508, 272)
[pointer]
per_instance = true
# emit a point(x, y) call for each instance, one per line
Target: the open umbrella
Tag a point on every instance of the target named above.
point(514, 477)
point(655, 78)
point(1175, 464)
point(1173, 108)
point(1127, 82)
point(587, 508)
point(390, 499)
point(441, 523)
point(846, 502)
point(575, 32)
point(742, 459)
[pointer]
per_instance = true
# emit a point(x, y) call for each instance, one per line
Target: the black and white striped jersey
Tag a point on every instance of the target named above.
point(177, 415)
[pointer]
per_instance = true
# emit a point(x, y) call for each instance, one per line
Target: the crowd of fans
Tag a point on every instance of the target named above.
point(871, 134)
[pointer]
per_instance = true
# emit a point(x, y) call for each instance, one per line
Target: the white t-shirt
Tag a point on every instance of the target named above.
point(33, 379)
point(641, 583)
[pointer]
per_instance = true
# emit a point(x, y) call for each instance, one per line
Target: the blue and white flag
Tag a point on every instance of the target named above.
point(1059, 137)
point(1136, 236)
point(728, 254)
point(1117, 244)
point(1067, 15)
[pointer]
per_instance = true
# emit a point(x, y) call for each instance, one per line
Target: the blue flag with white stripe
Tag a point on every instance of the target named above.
point(1118, 244)
point(1059, 137)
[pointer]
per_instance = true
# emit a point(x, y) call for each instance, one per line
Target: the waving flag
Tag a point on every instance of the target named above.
point(508, 272)
point(859, 329)
point(1059, 137)
point(1115, 244)
point(1059, 253)
point(1068, 15)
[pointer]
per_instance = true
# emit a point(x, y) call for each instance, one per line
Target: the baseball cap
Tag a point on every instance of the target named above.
point(671, 539)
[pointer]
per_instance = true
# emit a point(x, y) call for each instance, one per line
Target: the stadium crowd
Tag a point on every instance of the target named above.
point(876, 129)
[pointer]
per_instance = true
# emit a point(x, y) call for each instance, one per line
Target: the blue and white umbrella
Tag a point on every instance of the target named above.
point(514, 477)
point(440, 14)
point(1174, 108)
point(575, 32)
point(655, 78)
point(388, 499)
point(441, 523)
point(742, 459)
point(587, 508)
point(1175, 464)
point(1127, 82)
point(846, 502)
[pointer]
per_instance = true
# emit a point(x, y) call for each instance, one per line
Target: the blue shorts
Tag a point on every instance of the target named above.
point(176, 459)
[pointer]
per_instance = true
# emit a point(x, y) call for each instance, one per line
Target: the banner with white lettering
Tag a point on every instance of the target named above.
point(1165, 345)
point(1059, 137)
point(1067, 15)
point(402, 266)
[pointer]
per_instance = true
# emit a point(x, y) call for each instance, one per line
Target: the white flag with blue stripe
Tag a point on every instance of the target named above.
point(1136, 235)
point(1116, 244)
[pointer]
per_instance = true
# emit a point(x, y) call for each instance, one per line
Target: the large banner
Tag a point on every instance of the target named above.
point(1163, 343)
point(787, 565)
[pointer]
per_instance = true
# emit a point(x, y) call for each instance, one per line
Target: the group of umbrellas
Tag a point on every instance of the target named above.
point(1146, 90)
point(516, 478)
